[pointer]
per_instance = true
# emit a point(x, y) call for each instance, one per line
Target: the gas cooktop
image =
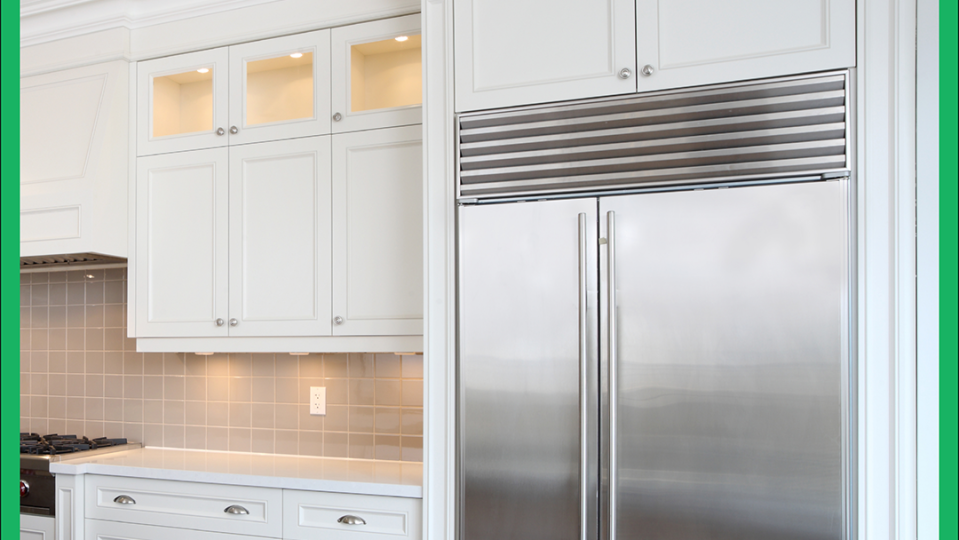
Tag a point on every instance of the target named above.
point(36, 451)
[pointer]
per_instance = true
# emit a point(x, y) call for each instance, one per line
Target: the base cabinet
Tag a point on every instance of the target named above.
point(37, 527)
point(113, 530)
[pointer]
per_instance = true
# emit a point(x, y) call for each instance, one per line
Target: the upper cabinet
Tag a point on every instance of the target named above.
point(260, 91)
point(694, 42)
point(74, 146)
point(377, 74)
point(521, 52)
point(517, 52)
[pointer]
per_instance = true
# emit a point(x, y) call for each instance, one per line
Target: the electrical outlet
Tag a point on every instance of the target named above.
point(318, 400)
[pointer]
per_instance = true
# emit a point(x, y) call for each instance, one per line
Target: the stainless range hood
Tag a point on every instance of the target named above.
point(72, 259)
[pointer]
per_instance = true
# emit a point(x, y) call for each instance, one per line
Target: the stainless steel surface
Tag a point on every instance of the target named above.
point(625, 73)
point(37, 493)
point(236, 509)
point(338, 320)
point(124, 499)
point(42, 463)
point(351, 520)
point(728, 315)
point(40, 262)
point(219, 322)
point(648, 70)
point(234, 130)
point(612, 325)
point(220, 131)
point(234, 322)
point(337, 117)
point(584, 404)
point(519, 363)
point(788, 126)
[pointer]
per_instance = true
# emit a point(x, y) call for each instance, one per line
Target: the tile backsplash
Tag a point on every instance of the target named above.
point(80, 374)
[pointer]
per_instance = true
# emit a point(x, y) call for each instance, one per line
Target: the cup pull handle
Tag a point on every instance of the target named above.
point(351, 520)
point(124, 499)
point(236, 509)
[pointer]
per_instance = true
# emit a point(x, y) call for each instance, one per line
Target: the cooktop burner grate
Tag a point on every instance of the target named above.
point(31, 443)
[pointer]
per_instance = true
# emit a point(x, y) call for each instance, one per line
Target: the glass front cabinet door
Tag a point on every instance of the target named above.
point(280, 88)
point(260, 91)
point(377, 74)
point(183, 102)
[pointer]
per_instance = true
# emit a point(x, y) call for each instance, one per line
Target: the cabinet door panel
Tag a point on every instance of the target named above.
point(377, 232)
point(111, 530)
point(182, 205)
point(280, 246)
point(37, 527)
point(511, 52)
point(280, 88)
point(693, 42)
point(377, 75)
point(182, 101)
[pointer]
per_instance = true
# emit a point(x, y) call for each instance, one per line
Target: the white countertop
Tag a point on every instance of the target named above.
point(359, 476)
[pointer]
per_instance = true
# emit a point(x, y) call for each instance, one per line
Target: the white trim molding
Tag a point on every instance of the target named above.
point(439, 470)
point(886, 186)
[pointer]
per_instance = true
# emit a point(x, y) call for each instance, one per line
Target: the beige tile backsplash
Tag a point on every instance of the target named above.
point(80, 374)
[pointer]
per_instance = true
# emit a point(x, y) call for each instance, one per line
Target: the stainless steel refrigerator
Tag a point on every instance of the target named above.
point(656, 365)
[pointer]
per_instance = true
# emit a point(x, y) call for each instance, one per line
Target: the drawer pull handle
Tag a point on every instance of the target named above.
point(236, 510)
point(351, 520)
point(124, 499)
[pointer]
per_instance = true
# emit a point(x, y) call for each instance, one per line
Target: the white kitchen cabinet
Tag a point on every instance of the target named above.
point(377, 74)
point(37, 527)
point(696, 42)
point(182, 224)
point(279, 88)
point(280, 238)
point(74, 145)
point(182, 102)
point(338, 516)
point(235, 242)
point(96, 529)
point(510, 52)
point(377, 232)
point(264, 90)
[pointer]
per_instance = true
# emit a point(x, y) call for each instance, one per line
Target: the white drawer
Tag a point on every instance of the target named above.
point(308, 515)
point(188, 505)
point(112, 530)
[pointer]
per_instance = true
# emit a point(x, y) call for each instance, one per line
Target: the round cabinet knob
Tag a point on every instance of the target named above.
point(24, 488)
point(625, 73)
point(337, 117)
point(234, 130)
point(337, 320)
point(220, 131)
point(351, 520)
point(124, 499)
point(648, 70)
point(234, 322)
point(236, 509)
point(219, 322)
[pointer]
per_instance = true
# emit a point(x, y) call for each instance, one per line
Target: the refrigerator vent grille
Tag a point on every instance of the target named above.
point(784, 127)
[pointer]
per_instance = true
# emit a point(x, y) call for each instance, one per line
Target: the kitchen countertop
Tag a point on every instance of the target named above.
point(358, 476)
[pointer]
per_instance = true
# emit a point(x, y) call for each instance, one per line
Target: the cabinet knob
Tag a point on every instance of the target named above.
point(234, 322)
point(625, 73)
point(219, 322)
point(236, 509)
point(337, 117)
point(351, 520)
point(234, 130)
point(124, 499)
point(648, 70)
point(220, 131)
point(337, 320)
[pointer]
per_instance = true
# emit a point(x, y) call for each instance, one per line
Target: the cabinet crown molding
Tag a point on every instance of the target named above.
point(42, 21)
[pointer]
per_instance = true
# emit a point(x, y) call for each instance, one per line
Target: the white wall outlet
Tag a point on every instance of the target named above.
point(318, 400)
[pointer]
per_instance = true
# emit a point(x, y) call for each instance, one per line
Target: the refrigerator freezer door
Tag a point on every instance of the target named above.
point(729, 307)
point(520, 426)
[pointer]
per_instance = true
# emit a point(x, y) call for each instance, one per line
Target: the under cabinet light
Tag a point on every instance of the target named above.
point(203, 70)
point(296, 55)
point(406, 353)
point(299, 353)
point(401, 39)
point(203, 353)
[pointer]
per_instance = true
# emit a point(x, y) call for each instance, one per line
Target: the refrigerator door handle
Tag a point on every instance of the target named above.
point(613, 384)
point(583, 389)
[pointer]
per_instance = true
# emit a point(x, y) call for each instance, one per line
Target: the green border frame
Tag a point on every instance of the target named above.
point(10, 265)
point(10, 277)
